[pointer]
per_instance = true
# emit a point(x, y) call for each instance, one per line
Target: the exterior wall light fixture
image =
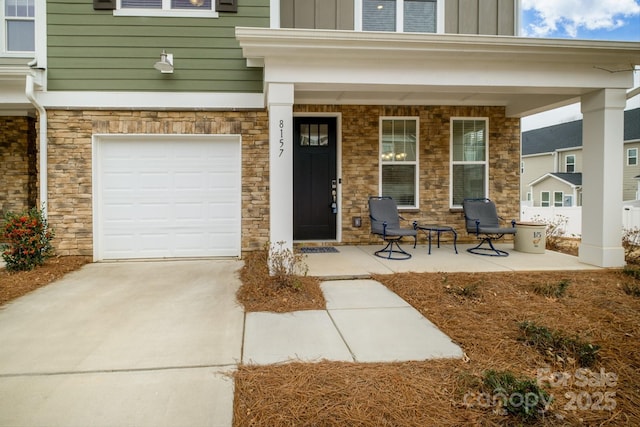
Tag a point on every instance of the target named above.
point(165, 65)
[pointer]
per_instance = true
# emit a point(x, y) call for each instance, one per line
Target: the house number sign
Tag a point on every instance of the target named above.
point(281, 125)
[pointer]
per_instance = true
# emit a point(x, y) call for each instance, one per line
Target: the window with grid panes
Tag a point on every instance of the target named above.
point(409, 16)
point(399, 160)
point(469, 154)
point(19, 26)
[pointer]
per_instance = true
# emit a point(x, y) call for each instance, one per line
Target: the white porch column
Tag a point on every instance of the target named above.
point(602, 148)
point(280, 104)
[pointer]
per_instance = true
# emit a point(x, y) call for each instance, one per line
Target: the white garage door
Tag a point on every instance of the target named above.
point(166, 196)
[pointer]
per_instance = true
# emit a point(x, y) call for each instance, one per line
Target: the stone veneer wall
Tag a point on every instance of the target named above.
point(70, 168)
point(70, 132)
point(18, 173)
point(360, 163)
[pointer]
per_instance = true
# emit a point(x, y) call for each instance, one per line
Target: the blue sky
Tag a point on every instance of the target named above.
point(617, 20)
point(582, 19)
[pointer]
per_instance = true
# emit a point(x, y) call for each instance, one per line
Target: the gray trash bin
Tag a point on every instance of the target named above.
point(531, 237)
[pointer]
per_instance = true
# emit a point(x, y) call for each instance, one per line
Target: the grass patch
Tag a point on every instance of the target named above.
point(520, 397)
point(465, 291)
point(632, 289)
point(558, 346)
point(550, 289)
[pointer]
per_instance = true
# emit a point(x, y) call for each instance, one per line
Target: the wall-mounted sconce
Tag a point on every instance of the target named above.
point(356, 221)
point(165, 65)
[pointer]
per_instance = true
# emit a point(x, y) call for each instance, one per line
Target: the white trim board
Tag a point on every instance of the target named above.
point(152, 100)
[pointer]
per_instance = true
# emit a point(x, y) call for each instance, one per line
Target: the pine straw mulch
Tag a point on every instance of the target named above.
point(16, 284)
point(260, 292)
point(483, 321)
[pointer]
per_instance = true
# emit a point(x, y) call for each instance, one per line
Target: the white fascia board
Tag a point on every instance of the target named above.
point(528, 156)
point(540, 179)
point(263, 42)
point(152, 100)
point(577, 147)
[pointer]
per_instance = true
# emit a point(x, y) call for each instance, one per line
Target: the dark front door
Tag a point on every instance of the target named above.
point(314, 178)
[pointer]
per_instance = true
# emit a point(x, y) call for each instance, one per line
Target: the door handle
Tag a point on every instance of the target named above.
point(334, 196)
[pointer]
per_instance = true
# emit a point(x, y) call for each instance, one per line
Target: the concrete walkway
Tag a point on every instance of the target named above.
point(364, 322)
point(152, 343)
point(131, 343)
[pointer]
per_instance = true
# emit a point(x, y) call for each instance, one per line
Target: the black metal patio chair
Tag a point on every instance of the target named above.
point(482, 220)
point(385, 222)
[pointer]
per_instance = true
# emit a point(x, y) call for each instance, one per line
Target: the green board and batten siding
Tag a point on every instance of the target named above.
point(94, 50)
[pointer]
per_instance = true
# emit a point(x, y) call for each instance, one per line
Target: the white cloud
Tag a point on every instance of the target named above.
point(571, 15)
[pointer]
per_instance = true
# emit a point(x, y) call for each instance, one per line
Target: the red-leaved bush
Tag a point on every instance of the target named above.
point(29, 240)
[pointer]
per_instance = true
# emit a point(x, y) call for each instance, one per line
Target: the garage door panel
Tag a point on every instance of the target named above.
point(168, 198)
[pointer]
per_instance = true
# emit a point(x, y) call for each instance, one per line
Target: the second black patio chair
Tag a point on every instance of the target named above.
point(385, 222)
point(481, 219)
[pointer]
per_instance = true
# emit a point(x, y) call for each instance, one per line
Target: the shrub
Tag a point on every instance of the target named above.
point(631, 245)
point(557, 345)
point(517, 396)
point(286, 266)
point(555, 230)
point(29, 240)
point(631, 271)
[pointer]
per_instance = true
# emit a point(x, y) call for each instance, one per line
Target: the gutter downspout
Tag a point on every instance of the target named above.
point(29, 92)
point(633, 92)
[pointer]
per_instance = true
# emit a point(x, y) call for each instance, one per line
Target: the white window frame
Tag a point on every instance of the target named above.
point(462, 162)
point(548, 201)
point(556, 203)
point(629, 156)
point(166, 11)
point(415, 163)
point(567, 164)
point(4, 18)
point(400, 16)
point(567, 200)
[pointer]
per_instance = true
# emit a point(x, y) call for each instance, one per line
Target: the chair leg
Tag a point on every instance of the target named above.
point(389, 251)
point(490, 251)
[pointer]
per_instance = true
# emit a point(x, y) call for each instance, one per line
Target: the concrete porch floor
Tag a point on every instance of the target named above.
point(360, 261)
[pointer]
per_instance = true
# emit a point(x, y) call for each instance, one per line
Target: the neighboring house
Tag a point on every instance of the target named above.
point(557, 189)
point(280, 118)
point(552, 162)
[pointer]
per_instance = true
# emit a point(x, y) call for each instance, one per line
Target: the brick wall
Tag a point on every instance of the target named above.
point(18, 172)
point(360, 164)
point(70, 157)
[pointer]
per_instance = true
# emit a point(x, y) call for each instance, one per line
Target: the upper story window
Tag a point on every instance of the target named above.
point(469, 160)
point(179, 8)
point(409, 16)
point(19, 26)
point(399, 160)
point(632, 156)
point(570, 163)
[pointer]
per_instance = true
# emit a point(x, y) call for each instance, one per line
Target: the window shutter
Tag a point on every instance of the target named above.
point(104, 4)
point(227, 6)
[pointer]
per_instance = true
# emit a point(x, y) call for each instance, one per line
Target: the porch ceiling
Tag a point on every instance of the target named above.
point(524, 75)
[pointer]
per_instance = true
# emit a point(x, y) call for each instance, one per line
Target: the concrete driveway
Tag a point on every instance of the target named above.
point(127, 343)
